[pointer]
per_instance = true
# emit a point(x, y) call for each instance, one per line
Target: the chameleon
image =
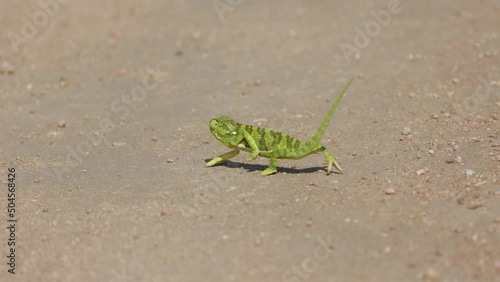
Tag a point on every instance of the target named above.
point(271, 144)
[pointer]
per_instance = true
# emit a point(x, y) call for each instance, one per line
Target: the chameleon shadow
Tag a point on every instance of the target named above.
point(258, 167)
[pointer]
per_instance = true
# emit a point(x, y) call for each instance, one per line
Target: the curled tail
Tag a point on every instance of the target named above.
point(321, 130)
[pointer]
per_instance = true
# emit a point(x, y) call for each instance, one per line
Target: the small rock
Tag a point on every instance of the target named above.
point(431, 275)
point(7, 68)
point(61, 124)
point(420, 171)
point(63, 82)
point(389, 191)
point(309, 223)
point(165, 212)
point(469, 172)
point(260, 121)
point(450, 159)
point(196, 35)
point(431, 152)
point(406, 131)
point(474, 204)
point(169, 161)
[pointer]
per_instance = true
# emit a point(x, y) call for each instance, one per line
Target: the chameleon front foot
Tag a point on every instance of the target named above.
point(223, 157)
point(271, 169)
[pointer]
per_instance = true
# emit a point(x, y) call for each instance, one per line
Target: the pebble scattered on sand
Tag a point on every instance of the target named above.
point(420, 171)
point(474, 204)
point(389, 191)
point(63, 82)
point(406, 131)
point(7, 68)
point(469, 172)
point(61, 124)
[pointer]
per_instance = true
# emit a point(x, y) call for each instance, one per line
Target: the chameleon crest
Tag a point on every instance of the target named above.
point(271, 144)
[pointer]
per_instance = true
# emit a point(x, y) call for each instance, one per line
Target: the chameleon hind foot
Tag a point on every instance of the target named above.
point(271, 169)
point(331, 162)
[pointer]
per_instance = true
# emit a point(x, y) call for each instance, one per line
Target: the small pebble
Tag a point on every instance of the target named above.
point(431, 275)
point(406, 131)
point(469, 172)
point(450, 159)
point(61, 124)
point(7, 68)
point(169, 161)
point(474, 204)
point(431, 152)
point(165, 212)
point(309, 223)
point(389, 191)
point(63, 82)
point(196, 35)
point(420, 171)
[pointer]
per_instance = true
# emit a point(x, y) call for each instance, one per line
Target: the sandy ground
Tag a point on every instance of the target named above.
point(104, 109)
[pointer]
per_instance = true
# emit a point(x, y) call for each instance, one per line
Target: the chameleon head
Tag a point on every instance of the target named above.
point(224, 129)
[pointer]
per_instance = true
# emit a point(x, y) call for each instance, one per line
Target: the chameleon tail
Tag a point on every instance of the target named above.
point(321, 130)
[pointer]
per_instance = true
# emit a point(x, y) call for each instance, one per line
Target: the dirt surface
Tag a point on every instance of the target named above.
point(104, 109)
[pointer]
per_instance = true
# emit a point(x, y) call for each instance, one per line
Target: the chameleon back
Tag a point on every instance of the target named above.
point(275, 144)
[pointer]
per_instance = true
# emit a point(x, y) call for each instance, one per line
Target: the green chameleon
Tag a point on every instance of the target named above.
point(268, 143)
